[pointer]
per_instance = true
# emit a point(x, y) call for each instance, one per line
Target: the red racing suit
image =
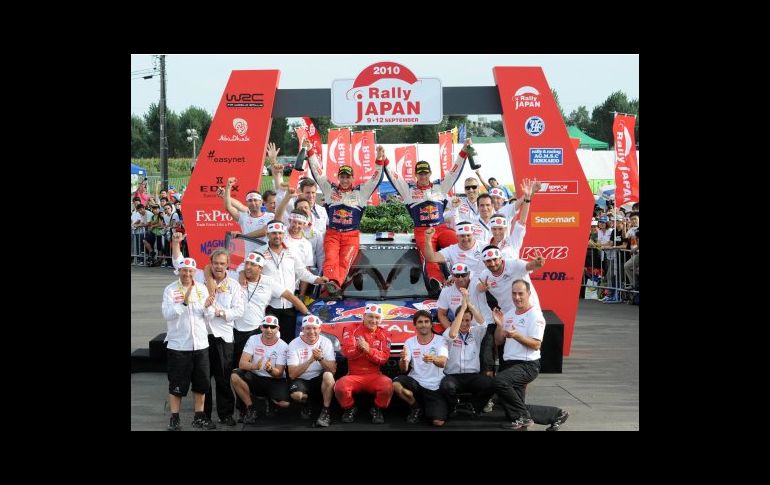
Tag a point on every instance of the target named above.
point(345, 208)
point(364, 368)
point(426, 206)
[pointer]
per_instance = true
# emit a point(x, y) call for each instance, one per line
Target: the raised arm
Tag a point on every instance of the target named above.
point(315, 169)
point(486, 185)
point(367, 189)
point(430, 255)
point(228, 200)
point(457, 169)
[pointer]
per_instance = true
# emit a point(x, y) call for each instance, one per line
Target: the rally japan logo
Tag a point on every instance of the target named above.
point(526, 97)
point(387, 93)
point(241, 127)
point(623, 148)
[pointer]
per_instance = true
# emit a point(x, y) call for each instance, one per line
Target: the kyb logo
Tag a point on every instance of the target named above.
point(241, 127)
point(245, 100)
point(555, 219)
point(526, 97)
point(559, 187)
point(550, 252)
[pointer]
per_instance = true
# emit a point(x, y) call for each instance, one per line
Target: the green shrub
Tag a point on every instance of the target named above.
point(390, 216)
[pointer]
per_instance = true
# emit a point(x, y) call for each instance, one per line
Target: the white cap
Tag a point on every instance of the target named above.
point(311, 320)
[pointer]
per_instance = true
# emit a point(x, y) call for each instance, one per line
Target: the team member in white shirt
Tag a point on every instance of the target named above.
point(311, 369)
point(227, 297)
point(260, 370)
point(186, 308)
point(285, 267)
point(252, 222)
point(521, 330)
point(467, 250)
point(501, 273)
point(463, 369)
point(427, 354)
point(509, 244)
point(301, 247)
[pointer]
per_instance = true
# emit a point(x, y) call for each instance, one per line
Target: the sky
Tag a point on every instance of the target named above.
point(200, 79)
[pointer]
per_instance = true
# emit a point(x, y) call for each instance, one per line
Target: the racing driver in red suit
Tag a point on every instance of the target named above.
point(366, 347)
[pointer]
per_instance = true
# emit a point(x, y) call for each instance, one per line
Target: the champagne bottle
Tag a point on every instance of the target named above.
point(471, 151)
point(301, 157)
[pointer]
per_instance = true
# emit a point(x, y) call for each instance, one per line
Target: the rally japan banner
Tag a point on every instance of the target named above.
point(446, 154)
point(626, 164)
point(363, 160)
point(559, 221)
point(406, 158)
point(338, 152)
point(234, 147)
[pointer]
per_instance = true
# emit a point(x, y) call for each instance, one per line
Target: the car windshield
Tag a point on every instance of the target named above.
point(381, 270)
point(385, 271)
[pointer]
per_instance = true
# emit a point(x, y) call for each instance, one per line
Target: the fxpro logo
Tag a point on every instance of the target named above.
point(555, 219)
point(550, 252)
point(559, 187)
point(245, 100)
point(212, 218)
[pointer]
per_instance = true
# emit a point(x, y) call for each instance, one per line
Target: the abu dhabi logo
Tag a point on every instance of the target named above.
point(526, 97)
point(241, 127)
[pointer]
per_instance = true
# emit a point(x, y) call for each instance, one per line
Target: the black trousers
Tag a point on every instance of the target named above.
point(482, 387)
point(287, 321)
point(511, 382)
point(221, 365)
point(239, 342)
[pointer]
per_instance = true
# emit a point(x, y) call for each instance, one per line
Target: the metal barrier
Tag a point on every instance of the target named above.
point(614, 271)
point(162, 247)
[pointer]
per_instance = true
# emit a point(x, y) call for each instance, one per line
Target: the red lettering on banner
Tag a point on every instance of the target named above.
point(525, 93)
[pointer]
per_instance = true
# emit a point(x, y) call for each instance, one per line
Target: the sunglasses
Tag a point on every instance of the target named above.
point(464, 275)
point(269, 326)
point(469, 187)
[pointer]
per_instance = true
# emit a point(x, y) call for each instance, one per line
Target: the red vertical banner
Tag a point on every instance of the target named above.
point(338, 152)
point(235, 146)
point(363, 160)
point(575, 143)
point(406, 158)
point(446, 154)
point(626, 164)
point(558, 223)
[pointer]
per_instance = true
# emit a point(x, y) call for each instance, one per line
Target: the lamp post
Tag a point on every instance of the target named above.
point(192, 135)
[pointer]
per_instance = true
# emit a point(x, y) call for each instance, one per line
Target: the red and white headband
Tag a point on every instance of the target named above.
point(498, 222)
point(491, 254)
point(311, 320)
point(255, 258)
point(464, 229)
point(276, 227)
point(372, 308)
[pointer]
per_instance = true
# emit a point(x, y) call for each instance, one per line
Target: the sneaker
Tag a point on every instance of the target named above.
point(377, 417)
point(563, 415)
point(414, 416)
point(520, 423)
point(227, 421)
point(251, 415)
point(204, 423)
point(349, 415)
point(174, 425)
point(324, 419)
point(434, 286)
point(489, 406)
point(307, 412)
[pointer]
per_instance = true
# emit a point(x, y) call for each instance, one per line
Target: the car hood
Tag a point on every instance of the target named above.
point(396, 320)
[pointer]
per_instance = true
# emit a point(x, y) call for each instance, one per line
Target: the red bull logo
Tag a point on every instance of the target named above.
point(345, 314)
point(342, 216)
point(429, 213)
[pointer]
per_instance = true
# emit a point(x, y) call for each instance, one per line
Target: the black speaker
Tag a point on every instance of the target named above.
point(552, 347)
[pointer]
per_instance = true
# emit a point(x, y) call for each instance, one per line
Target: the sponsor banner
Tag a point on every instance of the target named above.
point(546, 156)
point(338, 152)
point(387, 93)
point(446, 154)
point(406, 158)
point(540, 148)
point(295, 175)
point(555, 219)
point(626, 164)
point(559, 187)
point(364, 154)
point(234, 147)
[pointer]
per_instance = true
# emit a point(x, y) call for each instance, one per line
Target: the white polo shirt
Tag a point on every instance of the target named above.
point(426, 374)
point(530, 324)
point(258, 349)
point(299, 351)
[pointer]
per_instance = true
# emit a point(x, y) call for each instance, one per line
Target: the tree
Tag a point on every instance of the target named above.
point(580, 118)
point(140, 146)
point(282, 137)
point(604, 115)
point(558, 105)
point(198, 119)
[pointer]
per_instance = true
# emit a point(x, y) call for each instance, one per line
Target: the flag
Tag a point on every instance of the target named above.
point(454, 135)
point(462, 136)
point(626, 164)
